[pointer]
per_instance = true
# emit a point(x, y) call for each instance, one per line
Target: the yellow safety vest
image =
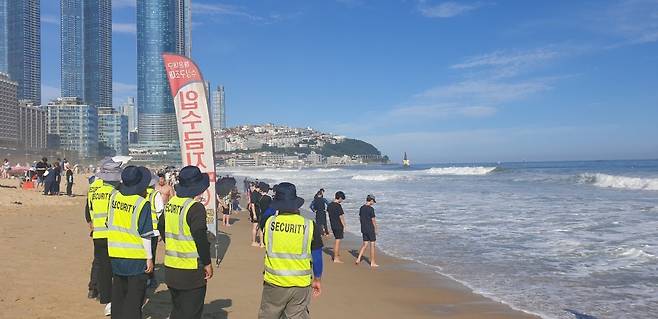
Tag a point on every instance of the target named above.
point(288, 250)
point(180, 249)
point(100, 203)
point(123, 239)
point(151, 193)
point(96, 184)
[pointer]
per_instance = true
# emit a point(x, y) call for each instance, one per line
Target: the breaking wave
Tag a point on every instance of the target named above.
point(612, 181)
point(376, 178)
point(475, 170)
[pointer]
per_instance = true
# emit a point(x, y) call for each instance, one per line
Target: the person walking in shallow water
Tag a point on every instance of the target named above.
point(368, 230)
point(319, 207)
point(337, 219)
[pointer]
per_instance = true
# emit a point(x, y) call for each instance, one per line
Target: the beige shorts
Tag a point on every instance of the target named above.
point(281, 302)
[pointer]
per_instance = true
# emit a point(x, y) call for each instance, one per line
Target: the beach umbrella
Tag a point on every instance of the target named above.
point(225, 185)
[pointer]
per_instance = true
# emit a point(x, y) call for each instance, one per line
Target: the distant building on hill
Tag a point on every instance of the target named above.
point(74, 124)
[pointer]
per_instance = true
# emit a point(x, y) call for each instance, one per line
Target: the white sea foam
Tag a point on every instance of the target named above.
point(377, 178)
point(327, 170)
point(466, 170)
point(635, 253)
point(612, 181)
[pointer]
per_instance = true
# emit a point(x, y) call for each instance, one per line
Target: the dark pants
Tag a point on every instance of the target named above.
point(187, 304)
point(154, 248)
point(47, 187)
point(101, 271)
point(128, 294)
point(56, 187)
point(69, 189)
point(321, 221)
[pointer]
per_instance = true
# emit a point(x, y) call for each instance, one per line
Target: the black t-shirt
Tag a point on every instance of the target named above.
point(366, 214)
point(335, 210)
point(41, 168)
point(263, 204)
point(69, 176)
point(319, 204)
point(255, 196)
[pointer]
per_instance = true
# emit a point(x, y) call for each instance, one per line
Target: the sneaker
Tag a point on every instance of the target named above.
point(92, 294)
point(108, 309)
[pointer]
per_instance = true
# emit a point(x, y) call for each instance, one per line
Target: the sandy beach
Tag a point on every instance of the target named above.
point(47, 254)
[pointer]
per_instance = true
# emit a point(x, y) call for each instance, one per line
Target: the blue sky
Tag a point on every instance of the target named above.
point(445, 81)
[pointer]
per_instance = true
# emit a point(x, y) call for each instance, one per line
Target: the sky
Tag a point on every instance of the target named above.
point(445, 81)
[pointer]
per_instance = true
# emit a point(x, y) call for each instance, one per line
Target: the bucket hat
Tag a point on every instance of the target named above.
point(191, 182)
point(286, 199)
point(134, 180)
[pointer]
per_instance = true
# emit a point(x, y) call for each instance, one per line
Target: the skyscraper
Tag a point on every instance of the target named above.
point(218, 109)
point(183, 27)
point(8, 112)
point(23, 46)
point(155, 35)
point(71, 28)
point(3, 37)
point(128, 109)
point(112, 132)
point(98, 52)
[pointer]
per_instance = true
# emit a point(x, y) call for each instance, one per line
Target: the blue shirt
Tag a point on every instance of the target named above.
point(134, 267)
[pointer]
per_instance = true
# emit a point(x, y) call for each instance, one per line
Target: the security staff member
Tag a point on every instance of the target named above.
point(187, 251)
point(106, 180)
point(129, 242)
point(157, 208)
point(293, 258)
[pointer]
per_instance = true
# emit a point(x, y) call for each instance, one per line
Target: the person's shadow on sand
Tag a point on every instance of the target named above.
point(218, 246)
point(158, 306)
point(355, 253)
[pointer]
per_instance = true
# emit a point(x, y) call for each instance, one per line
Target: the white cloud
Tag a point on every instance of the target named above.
point(447, 9)
point(49, 19)
point(223, 9)
point(130, 28)
point(485, 91)
point(635, 20)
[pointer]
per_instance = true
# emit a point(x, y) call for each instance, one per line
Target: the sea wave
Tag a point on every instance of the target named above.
point(613, 181)
point(327, 170)
point(377, 178)
point(464, 170)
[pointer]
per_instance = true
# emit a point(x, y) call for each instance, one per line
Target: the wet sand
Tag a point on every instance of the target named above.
point(46, 256)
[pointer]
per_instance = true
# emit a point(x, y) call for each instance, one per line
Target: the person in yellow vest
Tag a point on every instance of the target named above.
point(157, 208)
point(293, 258)
point(187, 250)
point(130, 228)
point(105, 182)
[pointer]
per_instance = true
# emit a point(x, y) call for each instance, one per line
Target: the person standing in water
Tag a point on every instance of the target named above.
point(319, 207)
point(368, 229)
point(337, 219)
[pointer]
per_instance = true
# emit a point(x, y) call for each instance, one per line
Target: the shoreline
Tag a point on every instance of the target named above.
point(49, 254)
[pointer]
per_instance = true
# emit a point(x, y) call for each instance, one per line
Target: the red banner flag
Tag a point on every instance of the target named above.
point(194, 128)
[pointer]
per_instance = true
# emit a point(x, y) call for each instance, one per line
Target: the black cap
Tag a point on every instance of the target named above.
point(340, 195)
point(371, 198)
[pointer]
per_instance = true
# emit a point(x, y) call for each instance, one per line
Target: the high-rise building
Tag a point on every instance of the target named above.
point(183, 27)
point(71, 29)
point(128, 109)
point(75, 124)
point(98, 52)
point(155, 35)
point(8, 112)
point(218, 109)
point(32, 123)
point(112, 132)
point(3, 37)
point(22, 34)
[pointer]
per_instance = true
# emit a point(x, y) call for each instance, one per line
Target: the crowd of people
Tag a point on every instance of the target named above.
point(259, 208)
point(130, 209)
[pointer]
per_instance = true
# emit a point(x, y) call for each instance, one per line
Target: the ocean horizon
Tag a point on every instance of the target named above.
point(542, 237)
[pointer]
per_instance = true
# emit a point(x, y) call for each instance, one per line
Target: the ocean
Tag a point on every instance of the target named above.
point(543, 237)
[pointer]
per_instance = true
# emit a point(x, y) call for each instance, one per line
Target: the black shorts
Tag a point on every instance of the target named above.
point(226, 211)
point(369, 236)
point(338, 233)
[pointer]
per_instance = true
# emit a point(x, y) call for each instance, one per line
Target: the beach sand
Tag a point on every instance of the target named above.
point(46, 256)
